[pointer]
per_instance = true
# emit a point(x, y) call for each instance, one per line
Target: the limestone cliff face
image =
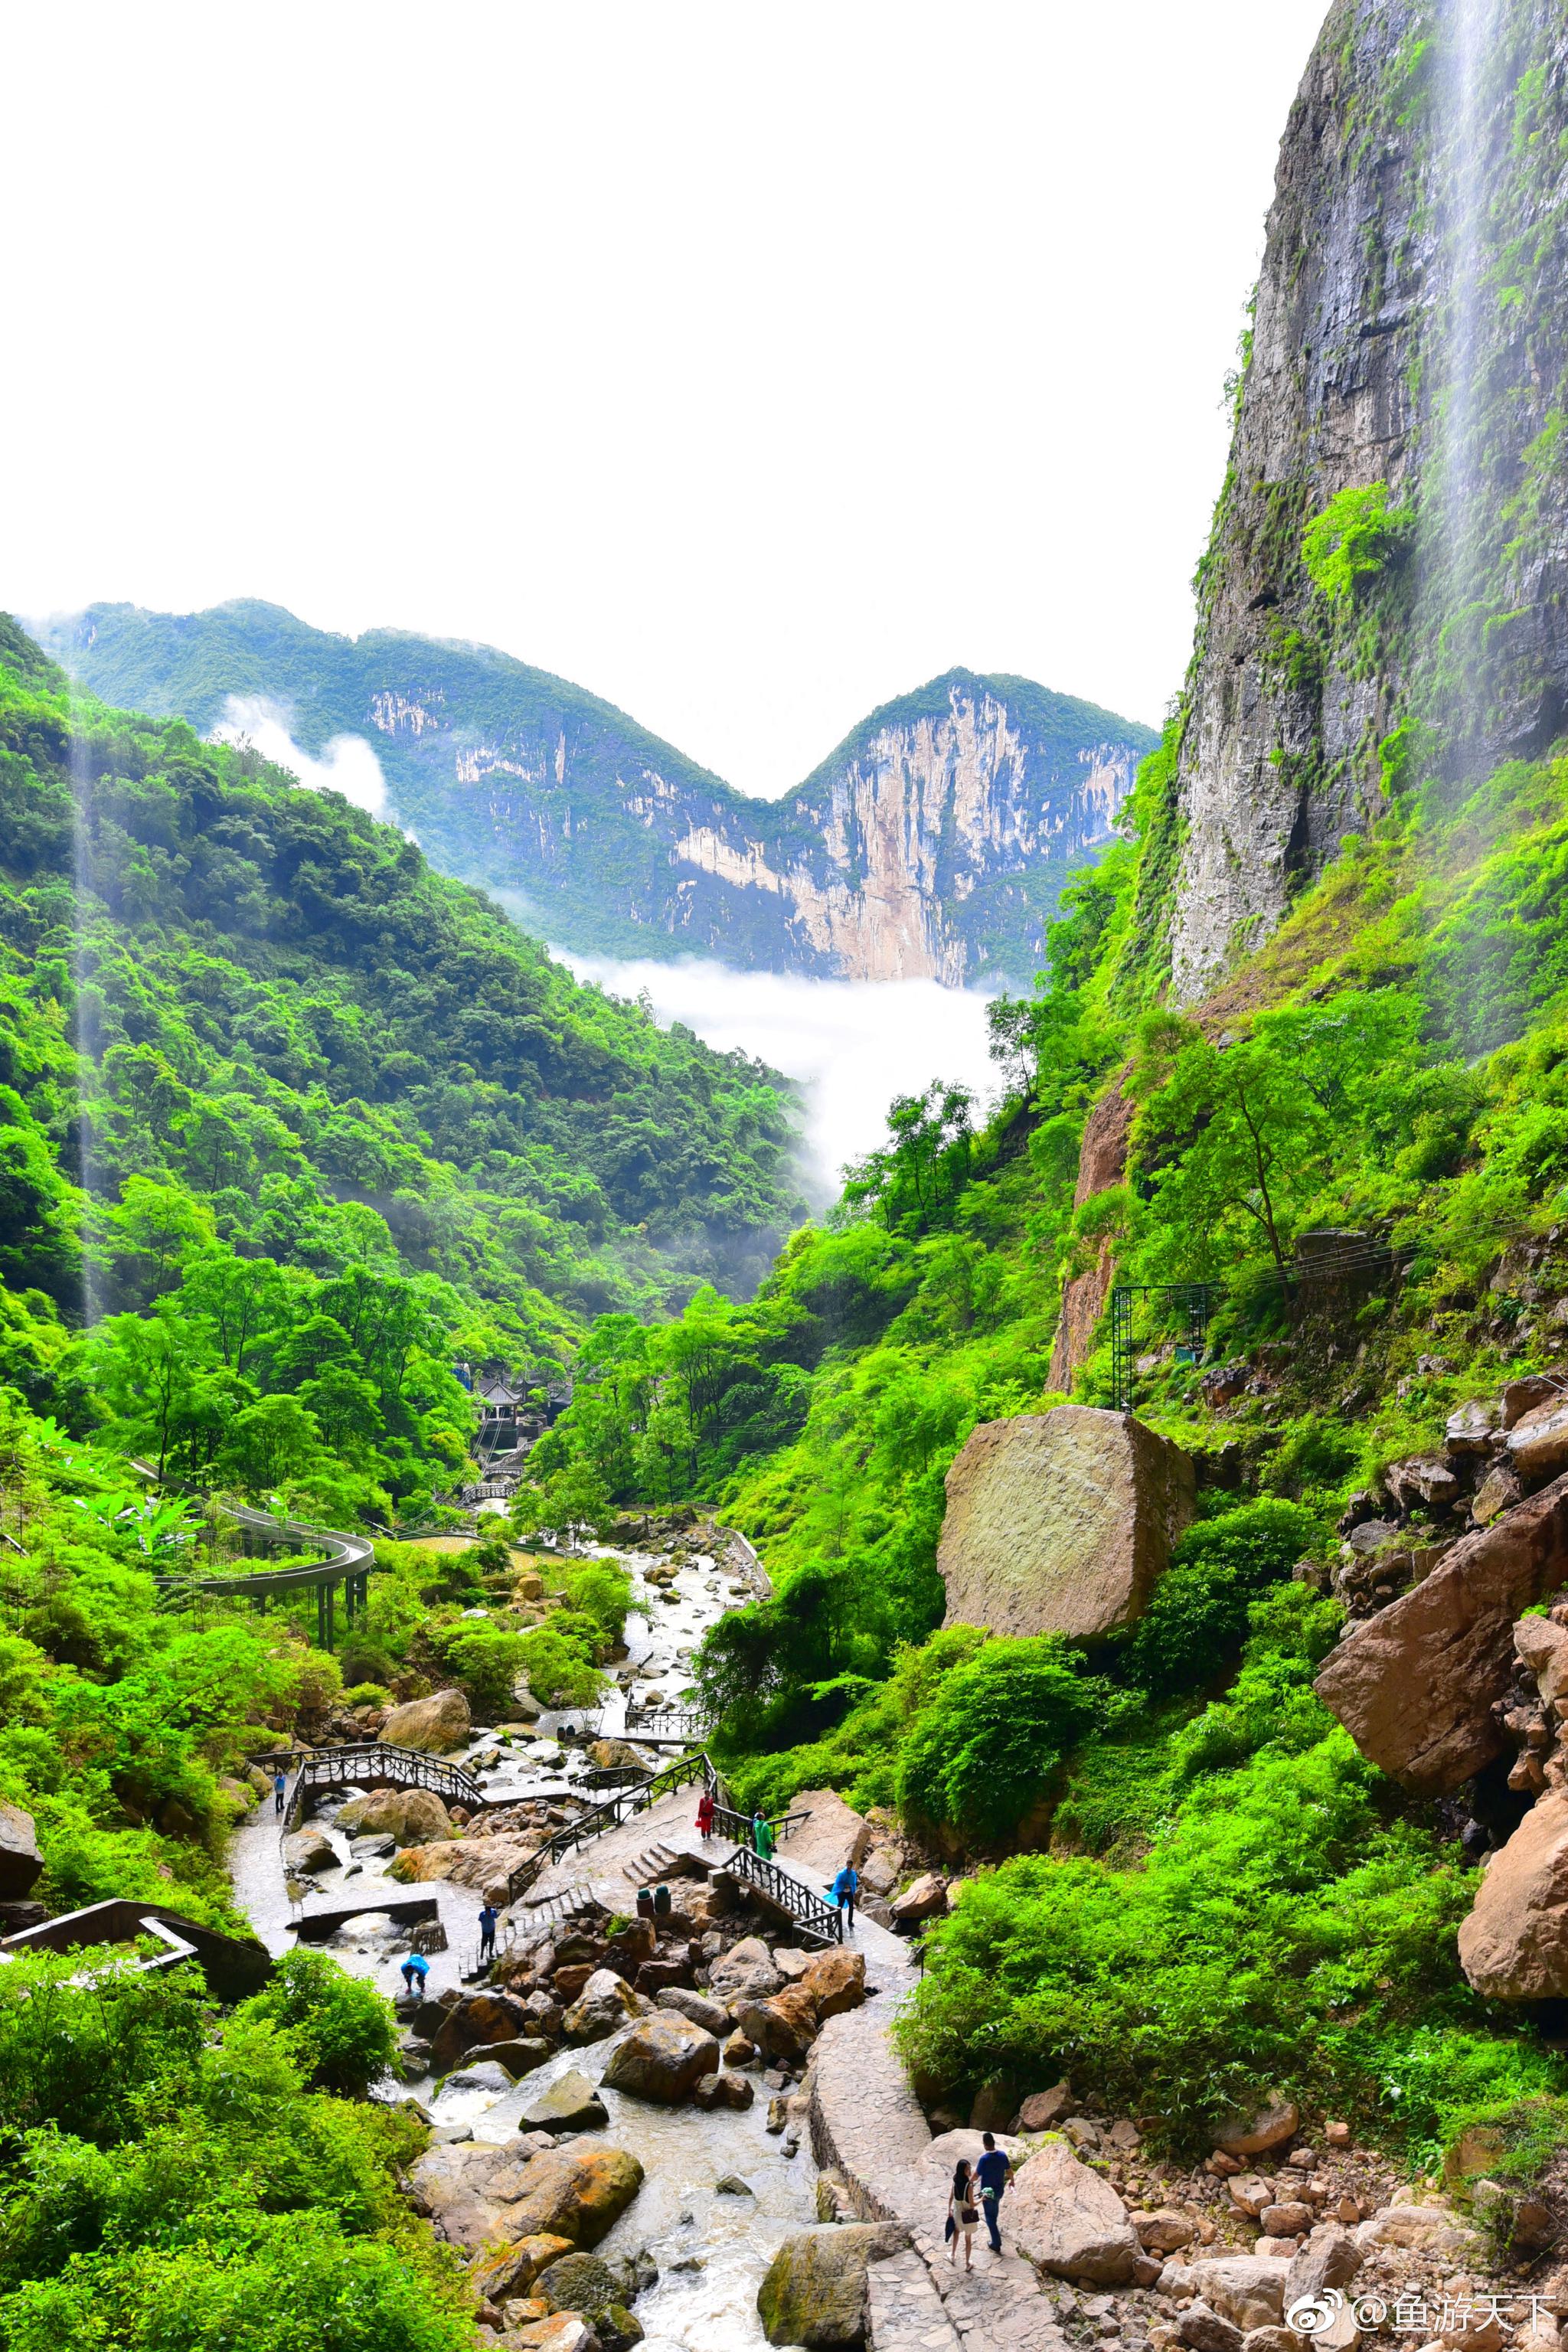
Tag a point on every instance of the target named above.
point(1411, 330)
point(933, 843)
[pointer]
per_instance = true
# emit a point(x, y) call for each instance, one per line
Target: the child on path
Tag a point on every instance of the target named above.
point(962, 2215)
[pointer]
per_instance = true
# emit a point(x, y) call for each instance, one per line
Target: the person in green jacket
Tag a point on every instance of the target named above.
point(762, 1837)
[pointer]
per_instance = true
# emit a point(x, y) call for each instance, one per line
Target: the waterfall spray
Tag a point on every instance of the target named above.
point(1471, 29)
point(87, 1173)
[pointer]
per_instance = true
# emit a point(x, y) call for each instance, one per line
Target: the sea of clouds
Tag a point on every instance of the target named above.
point(851, 1045)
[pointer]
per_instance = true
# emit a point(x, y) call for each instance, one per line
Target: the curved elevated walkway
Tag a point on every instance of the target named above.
point(349, 1562)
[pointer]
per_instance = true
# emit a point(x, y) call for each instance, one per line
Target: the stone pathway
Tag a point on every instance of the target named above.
point(906, 2312)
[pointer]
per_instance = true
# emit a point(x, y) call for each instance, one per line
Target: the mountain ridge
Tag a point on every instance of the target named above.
point(932, 842)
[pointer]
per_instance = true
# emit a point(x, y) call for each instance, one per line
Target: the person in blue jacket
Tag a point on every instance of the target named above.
point(844, 1890)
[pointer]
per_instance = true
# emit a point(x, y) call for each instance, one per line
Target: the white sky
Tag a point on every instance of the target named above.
point(748, 364)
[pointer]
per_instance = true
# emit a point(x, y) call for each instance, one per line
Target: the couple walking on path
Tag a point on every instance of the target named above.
point(763, 1841)
point(977, 2189)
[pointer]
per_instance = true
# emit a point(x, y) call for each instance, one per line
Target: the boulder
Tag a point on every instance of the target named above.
point(1253, 2134)
point(925, 1898)
point(726, 2090)
point(746, 1969)
point(814, 2293)
point(1165, 2230)
point(1540, 1644)
point(702, 2012)
point(409, 1816)
point(1514, 1945)
point(1468, 1431)
point(476, 2018)
point(836, 1981)
point(611, 1754)
point(436, 1725)
point(580, 2283)
point(832, 1834)
point(662, 2059)
point(308, 1852)
point(570, 2103)
point(1424, 1480)
point(484, 2195)
point(519, 2057)
point(1061, 1522)
point(488, 2076)
point(567, 2331)
point(1420, 2228)
point(1415, 1684)
point(1521, 1396)
point(1041, 2108)
point(1498, 1491)
point(603, 2006)
point(1204, 2330)
point(20, 1861)
point(1246, 2289)
point(1286, 2219)
point(786, 2026)
point(513, 2269)
point(1327, 2263)
point(1538, 1443)
point(1065, 2219)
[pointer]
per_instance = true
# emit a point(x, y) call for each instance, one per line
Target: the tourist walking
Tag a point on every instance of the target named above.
point(705, 1815)
point(279, 1790)
point(844, 1890)
point(993, 2172)
point(487, 1931)
point(962, 2215)
point(416, 1969)
point(762, 1837)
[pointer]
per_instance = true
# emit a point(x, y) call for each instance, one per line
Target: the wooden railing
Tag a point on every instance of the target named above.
point(821, 1920)
point(376, 1764)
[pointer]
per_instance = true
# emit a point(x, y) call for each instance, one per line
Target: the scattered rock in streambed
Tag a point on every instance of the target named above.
point(408, 1816)
point(570, 2103)
point(485, 2195)
point(308, 1852)
point(662, 2059)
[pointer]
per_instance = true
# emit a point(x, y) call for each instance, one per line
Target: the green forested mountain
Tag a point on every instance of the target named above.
point(934, 841)
point(261, 1064)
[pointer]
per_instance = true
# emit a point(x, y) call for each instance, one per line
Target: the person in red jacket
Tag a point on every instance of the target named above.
point(705, 1813)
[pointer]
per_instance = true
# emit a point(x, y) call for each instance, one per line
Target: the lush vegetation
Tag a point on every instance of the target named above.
point(173, 2184)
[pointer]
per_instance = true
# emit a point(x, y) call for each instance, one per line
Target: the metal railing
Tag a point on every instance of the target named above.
point(742, 1827)
point(622, 1805)
point(812, 1914)
point(376, 1763)
point(349, 1562)
point(666, 1723)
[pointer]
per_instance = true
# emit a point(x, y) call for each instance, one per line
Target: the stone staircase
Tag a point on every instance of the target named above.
point(656, 1862)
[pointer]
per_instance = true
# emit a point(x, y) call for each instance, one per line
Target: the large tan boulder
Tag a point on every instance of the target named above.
point(1246, 2289)
point(836, 1982)
point(1514, 1945)
point(1065, 2219)
point(833, 1834)
point(20, 1861)
point(485, 1863)
point(1538, 1444)
point(1061, 1522)
point(1541, 1646)
point(1414, 1686)
point(436, 1725)
point(482, 2194)
point(411, 1816)
point(603, 2006)
point(662, 2059)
